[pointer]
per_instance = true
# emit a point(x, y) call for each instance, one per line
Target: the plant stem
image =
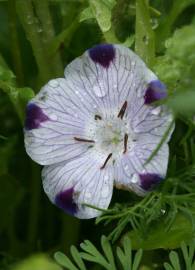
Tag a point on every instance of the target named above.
point(48, 34)
point(34, 205)
point(70, 232)
point(29, 22)
point(144, 35)
point(15, 47)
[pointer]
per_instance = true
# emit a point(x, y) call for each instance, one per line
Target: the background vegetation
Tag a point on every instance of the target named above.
point(37, 40)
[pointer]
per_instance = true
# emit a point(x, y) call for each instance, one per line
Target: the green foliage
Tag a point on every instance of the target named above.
point(101, 11)
point(38, 38)
point(18, 96)
point(37, 262)
point(106, 259)
point(144, 39)
point(188, 255)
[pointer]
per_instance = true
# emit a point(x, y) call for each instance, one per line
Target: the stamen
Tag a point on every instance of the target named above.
point(122, 110)
point(98, 117)
point(125, 143)
point(83, 140)
point(106, 161)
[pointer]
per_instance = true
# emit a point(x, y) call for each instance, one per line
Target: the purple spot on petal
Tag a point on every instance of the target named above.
point(103, 54)
point(149, 180)
point(156, 91)
point(64, 200)
point(34, 116)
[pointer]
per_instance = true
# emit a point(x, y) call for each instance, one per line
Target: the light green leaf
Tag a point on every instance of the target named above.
point(174, 260)
point(18, 96)
point(159, 237)
point(102, 13)
point(86, 14)
point(37, 262)
point(63, 260)
point(77, 257)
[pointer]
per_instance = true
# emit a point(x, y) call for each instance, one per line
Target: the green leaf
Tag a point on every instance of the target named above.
point(63, 260)
point(169, 19)
point(18, 96)
point(86, 14)
point(102, 12)
point(137, 259)
point(77, 257)
point(37, 262)
point(174, 260)
point(144, 35)
point(168, 266)
point(159, 237)
point(108, 251)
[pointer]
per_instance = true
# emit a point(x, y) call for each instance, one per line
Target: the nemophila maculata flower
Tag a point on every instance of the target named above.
point(95, 129)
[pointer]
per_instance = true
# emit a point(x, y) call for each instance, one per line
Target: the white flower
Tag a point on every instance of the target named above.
point(96, 128)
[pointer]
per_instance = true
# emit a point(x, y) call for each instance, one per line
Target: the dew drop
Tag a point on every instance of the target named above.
point(135, 178)
point(156, 111)
point(53, 83)
point(99, 92)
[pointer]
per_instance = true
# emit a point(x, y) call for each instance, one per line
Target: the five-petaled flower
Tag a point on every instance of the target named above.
point(96, 128)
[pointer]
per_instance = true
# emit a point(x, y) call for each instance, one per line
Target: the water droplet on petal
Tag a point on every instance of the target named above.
point(53, 83)
point(99, 92)
point(135, 178)
point(156, 111)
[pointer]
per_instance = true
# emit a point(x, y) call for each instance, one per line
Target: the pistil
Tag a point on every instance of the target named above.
point(125, 143)
point(83, 140)
point(122, 110)
point(106, 161)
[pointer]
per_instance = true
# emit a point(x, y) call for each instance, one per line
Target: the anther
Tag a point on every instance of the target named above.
point(83, 140)
point(106, 161)
point(98, 117)
point(125, 143)
point(122, 110)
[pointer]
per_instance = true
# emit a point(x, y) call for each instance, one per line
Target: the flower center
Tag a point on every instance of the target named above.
point(110, 137)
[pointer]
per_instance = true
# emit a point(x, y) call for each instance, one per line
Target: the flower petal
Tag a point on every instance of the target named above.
point(78, 182)
point(107, 75)
point(134, 173)
point(54, 118)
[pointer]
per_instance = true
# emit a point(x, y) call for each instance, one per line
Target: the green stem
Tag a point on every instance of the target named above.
point(48, 34)
point(70, 232)
point(34, 205)
point(144, 35)
point(14, 44)
point(29, 22)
